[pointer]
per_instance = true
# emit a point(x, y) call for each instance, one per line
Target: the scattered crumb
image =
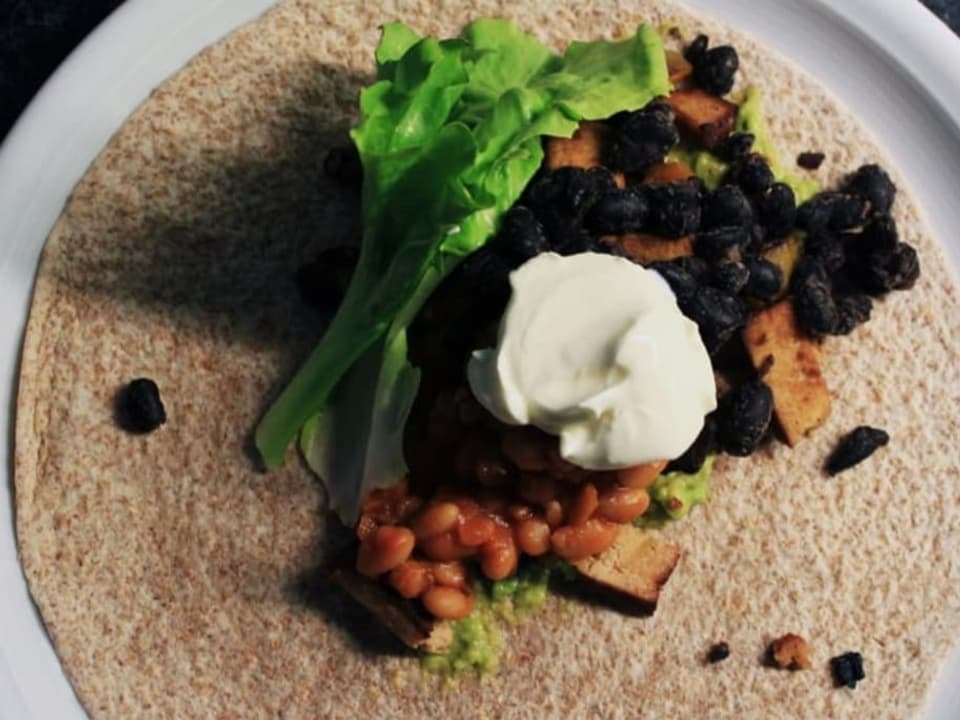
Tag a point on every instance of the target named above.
point(791, 652)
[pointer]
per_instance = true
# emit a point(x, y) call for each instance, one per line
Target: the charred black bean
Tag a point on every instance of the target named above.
point(674, 208)
point(826, 247)
point(683, 283)
point(718, 652)
point(722, 243)
point(694, 52)
point(847, 669)
point(810, 160)
point(872, 183)
point(725, 207)
point(734, 146)
point(744, 417)
point(847, 212)
point(765, 279)
point(617, 212)
point(139, 408)
point(882, 271)
point(852, 311)
point(730, 277)
point(856, 447)
point(879, 234)
point(777, 210)
point(521, 236)
point(643, 138)
point(717, 314)
point(715, 71)
point(752, 174)
point(813, 300)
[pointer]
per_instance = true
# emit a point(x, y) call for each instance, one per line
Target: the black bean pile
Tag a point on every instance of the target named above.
point(848, 249)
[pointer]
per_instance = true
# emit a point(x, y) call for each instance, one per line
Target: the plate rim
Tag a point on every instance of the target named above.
point(933, 49)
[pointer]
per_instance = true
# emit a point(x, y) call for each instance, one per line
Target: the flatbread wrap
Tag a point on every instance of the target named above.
point(177, 580)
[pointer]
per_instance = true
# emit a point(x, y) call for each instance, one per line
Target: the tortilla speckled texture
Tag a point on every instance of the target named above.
point(176, 580)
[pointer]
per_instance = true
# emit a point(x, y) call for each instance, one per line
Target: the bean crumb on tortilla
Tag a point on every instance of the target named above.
point(139, 408)
point(718, 652)
point(790, 652)
point(847, 669)
point(856, 447)
point(810, 160)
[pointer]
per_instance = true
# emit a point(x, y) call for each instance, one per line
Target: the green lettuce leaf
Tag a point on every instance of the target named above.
point(449, 136)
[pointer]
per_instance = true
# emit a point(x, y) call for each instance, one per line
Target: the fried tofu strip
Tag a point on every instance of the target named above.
point(583, 150)
point(706, 116)
point(801, 399)
point(636, 566)
point(413, 626)
point(645, 249)
point(631, 571)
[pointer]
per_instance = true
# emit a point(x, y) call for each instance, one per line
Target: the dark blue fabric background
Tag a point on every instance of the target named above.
point(36, 35)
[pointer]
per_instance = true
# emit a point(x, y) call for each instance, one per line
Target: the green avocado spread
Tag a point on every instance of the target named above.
point(750, 119)
point(478, 639)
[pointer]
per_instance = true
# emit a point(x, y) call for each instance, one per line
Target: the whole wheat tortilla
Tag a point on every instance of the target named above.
point(175, 579)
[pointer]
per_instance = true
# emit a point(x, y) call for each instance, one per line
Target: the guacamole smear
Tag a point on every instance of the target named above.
point(704, 164)
point(673, 495)
point(478, 639)
point(750, 119)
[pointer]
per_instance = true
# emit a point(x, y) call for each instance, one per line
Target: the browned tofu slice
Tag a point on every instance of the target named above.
point(678, 67)
point(408, 621)
point(584, 149)
point(708, 117)
point(801, 399)
point(667, 172)
point(636, 566)
point(645, 249)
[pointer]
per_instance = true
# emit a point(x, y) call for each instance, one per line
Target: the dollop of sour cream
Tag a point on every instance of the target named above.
point(594, 349)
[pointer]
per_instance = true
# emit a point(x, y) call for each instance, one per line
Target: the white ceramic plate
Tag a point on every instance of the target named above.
point(891, 61)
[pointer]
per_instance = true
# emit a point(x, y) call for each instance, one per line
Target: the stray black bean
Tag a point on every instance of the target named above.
point(139, 408)
point(719, 651)
point(810, 160)
point(855, 448)
point(847, 669)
